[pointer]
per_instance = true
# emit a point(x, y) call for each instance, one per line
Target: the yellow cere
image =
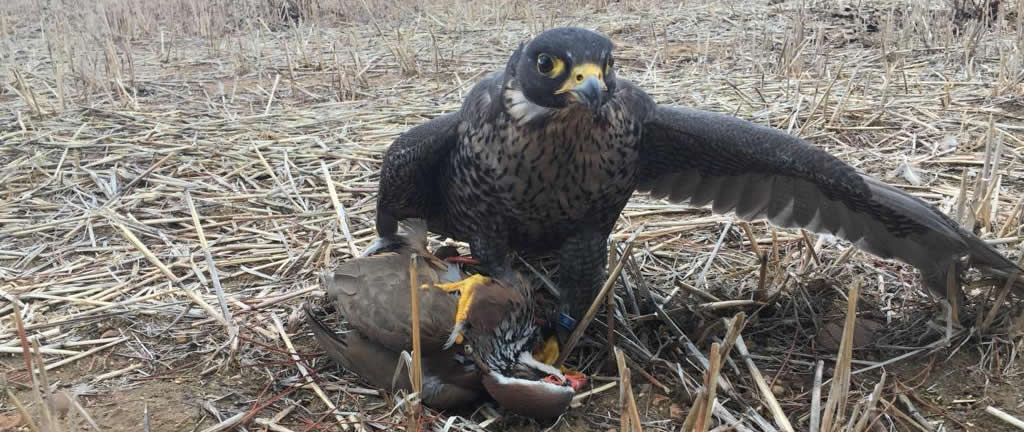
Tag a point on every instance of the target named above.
point(466, 288)
point(580, 73)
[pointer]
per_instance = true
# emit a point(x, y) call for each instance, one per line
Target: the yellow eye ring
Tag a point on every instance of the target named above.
point(549, 65)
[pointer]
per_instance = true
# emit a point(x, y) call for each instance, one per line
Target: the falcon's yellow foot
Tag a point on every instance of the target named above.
point(466, 288)
point(547, 352)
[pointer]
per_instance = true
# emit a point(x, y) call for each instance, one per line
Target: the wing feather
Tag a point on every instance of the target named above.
point(410, 172)
point(760, 172)
point(755, 199)
point(729, 193)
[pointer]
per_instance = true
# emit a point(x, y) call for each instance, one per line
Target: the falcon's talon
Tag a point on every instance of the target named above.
point(466, 288)
point(455, 337)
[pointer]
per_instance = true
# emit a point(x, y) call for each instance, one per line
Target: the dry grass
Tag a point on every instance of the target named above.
point(173, 175)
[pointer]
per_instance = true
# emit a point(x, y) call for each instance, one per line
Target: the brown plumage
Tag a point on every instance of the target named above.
point(372, 294)
point(544, 155)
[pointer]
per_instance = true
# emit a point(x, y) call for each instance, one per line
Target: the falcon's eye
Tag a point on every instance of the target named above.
point(548, 65)
point(545, 64)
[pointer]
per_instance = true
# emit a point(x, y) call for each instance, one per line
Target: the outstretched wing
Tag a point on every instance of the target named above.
point(410, 172)
point(760, 172)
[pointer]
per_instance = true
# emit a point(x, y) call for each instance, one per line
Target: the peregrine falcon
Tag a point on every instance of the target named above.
point(543, 156)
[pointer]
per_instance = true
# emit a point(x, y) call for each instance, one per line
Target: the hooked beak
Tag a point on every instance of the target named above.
point(586, 86)
point(589, 93)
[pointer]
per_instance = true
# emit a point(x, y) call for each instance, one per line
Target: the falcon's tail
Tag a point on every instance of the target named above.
point(939, 249)
point(986, 258)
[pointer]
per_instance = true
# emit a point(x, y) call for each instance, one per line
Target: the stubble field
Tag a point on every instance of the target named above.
point(125, 121)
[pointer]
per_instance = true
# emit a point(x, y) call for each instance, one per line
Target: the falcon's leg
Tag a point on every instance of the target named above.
point(387, 230)
point(492, 253)
point(467, 289)
point(381, 244)
point(581, 272)
point(492, 257)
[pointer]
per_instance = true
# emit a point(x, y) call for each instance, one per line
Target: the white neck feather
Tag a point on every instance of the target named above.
point(527, 359)
point(520, 108)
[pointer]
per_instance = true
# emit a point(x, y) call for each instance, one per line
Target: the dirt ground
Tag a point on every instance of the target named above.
point(955, 388)
point(110, 115)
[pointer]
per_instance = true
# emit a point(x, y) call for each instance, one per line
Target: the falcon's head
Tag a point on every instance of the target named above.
point(565, 67)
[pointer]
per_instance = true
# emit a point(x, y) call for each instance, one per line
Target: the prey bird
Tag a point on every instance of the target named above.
point(543, 156)
point(495, 359)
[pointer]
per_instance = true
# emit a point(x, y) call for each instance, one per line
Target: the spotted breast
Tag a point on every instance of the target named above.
point(538, 175)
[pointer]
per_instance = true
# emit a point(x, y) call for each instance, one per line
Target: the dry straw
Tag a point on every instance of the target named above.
point(174, 174)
